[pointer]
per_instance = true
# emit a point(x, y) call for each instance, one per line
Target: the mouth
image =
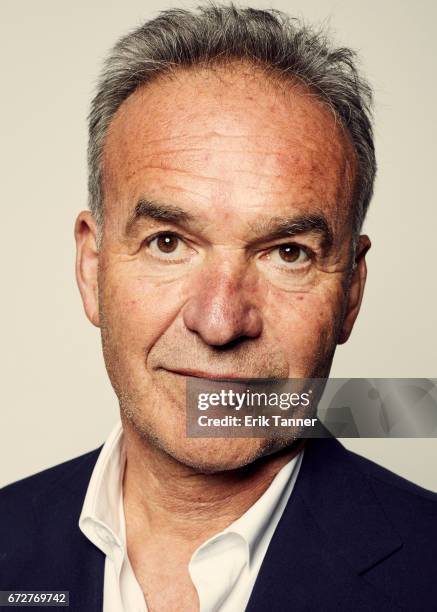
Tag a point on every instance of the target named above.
point(193, 373)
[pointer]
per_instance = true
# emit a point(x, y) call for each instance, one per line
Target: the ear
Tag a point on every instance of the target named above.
point(356, 288)
point(87, 259)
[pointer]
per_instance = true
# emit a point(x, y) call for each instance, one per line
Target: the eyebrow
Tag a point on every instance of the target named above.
point(273, 228)
point(147, 209)
point(268, 228)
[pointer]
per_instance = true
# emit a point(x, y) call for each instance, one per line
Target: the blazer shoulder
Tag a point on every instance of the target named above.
point(384, 478)
point(27, 488)
point(411, 509)
point(40, 542)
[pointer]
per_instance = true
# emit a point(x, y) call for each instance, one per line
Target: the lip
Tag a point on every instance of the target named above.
point(208, 375)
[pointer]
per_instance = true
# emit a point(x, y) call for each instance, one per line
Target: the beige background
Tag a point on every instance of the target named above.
point(56, 400)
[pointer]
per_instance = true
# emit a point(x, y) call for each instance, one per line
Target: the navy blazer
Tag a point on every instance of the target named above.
point(353, 537)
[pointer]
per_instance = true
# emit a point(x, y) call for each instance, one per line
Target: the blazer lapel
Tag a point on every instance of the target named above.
point(332, 531)
point(68, 561)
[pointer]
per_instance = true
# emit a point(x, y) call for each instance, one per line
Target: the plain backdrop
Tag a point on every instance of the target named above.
point(56, 399)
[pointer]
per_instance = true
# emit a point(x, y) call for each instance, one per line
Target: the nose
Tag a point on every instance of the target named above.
point(222, 308)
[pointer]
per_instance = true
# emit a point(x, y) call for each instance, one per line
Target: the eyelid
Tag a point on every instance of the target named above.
point(295, 267)
point(149, 239)
point(193, 241)
point(311, 253)
point(172, 257)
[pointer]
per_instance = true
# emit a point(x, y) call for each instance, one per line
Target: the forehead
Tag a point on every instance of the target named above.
point(228, 137)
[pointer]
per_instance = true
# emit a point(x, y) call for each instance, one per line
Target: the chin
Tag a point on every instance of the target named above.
point(213, 455)
point(204, 455)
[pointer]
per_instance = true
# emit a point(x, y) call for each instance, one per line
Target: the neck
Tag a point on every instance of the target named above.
point(164, 496)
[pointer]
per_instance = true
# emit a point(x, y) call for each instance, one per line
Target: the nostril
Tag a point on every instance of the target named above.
point(222, 314)
point(236, 342)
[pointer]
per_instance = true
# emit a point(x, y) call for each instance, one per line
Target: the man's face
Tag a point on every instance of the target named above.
point(226, 247)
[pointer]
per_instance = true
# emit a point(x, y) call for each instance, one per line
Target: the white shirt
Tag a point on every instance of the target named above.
point(223, 569)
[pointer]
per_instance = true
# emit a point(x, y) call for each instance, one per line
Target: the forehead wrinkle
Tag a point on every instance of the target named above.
point(282, 147)
point(305, 139)
point(324, 155)
point(188, 173)
point(214, 179)
point(300, 136)
point(281, 158)
point(202, 136)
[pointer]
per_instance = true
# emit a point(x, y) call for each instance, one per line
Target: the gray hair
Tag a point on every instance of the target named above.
point(212, 34)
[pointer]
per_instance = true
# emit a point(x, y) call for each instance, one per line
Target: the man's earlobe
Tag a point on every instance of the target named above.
point(356, 288)
point(87, 258)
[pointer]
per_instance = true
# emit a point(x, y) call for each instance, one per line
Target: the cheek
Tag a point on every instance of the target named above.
point(304, 324)
point(137, 311)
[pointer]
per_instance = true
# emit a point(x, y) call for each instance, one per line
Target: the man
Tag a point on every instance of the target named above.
point(231, 165)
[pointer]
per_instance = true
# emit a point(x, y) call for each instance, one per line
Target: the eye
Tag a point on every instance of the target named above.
point(168, 246)
point(289, 256)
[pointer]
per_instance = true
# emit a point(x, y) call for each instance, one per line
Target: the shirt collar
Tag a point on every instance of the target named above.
point(260, 520)
point(102, 512)
point(100, 519)
point(256, 526)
